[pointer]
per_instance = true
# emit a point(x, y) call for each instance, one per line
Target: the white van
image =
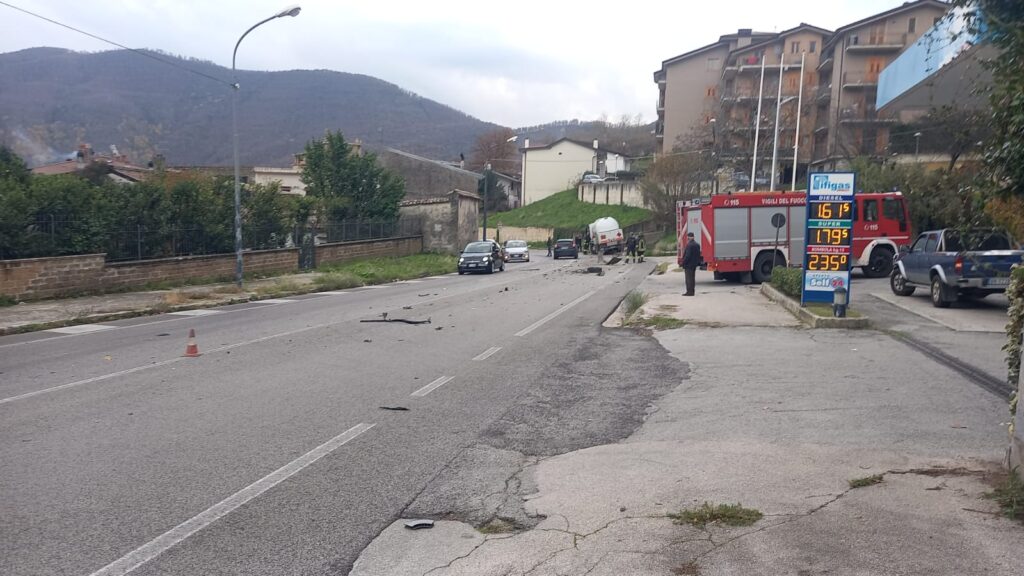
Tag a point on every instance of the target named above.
point(605, 233)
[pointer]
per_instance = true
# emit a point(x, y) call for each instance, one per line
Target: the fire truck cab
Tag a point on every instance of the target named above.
point(738, 239)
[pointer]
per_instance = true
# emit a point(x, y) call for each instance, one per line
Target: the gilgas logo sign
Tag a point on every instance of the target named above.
point(831, 183)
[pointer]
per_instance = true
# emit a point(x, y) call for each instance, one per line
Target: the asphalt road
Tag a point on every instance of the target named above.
point(271, 453)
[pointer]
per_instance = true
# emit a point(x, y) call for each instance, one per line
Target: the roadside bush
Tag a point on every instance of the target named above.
point(789, 281)
point(337, 281)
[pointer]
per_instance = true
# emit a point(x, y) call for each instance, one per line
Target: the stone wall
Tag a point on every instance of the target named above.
point(626, 193)
point(119, 275)
point(530, 234)
point(346, 251)
point(448, 222)
point(34, 278)
point(39, 278)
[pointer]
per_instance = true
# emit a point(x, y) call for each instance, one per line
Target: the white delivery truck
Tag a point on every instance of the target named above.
point(606, 234)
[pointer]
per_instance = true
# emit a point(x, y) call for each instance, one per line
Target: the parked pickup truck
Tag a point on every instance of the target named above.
point(954, 265)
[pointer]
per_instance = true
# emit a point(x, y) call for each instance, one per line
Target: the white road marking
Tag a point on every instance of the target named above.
point(274, 301)
point(81, 329)
point(334, 292)
point(433, 386)
point(552, 316)
point(129, 562)
point(488, 353)
point(410, 281)
point(376, 286)
point(155, 364)
point(197, 312)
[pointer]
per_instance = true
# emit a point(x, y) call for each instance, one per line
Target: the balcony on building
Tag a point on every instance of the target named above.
point(862, 115)
point(873, 43)
point(859, 80)
point(824, 94)
point(826, 64)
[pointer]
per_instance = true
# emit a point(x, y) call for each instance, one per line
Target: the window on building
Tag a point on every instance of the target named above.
point(714, 64)
point(286, 189)
point(813, 47)
point(912, 25)
point(712, 91)
point(794, 47)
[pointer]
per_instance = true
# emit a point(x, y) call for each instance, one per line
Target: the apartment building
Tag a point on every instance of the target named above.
point(710, 95)
point(688, 87)
point(848, 124)
point(784, 56)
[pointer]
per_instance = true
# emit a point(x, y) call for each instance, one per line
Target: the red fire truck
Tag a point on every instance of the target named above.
point(738, 240)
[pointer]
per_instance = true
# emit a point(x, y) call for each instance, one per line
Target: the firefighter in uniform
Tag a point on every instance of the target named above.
point(631, 248)
point(641, 247)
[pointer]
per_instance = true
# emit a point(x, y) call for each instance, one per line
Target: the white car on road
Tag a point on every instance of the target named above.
point(517, 250)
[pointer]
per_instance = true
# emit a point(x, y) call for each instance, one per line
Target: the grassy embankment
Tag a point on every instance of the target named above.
point(565, 213)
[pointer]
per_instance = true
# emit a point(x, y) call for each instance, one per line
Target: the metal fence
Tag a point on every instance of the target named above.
point(50, 236)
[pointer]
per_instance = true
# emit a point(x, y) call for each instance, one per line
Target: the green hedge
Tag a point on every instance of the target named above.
point(788, 280)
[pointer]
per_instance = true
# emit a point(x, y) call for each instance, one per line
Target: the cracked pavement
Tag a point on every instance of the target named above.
point(779, 419)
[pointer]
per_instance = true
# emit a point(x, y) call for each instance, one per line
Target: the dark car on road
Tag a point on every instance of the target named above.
point(566, 248)
point(484, 256)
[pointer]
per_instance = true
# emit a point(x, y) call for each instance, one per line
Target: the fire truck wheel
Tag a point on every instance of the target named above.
point(763, 266)
point(880, 264)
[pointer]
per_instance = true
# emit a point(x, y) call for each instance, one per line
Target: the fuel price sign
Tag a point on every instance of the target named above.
point(829, 241)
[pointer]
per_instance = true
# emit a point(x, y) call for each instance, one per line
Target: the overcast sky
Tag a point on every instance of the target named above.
point(514, 63)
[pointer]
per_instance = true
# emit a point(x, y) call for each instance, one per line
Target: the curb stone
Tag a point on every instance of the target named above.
point(812, 320)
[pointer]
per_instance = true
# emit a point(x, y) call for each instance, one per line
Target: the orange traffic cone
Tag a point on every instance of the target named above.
point(191, 350)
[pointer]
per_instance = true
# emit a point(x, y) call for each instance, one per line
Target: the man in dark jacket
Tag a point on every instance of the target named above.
point(631, 248)
point(690, 262)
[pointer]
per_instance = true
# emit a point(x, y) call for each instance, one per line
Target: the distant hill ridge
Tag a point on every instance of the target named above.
point(52, 99)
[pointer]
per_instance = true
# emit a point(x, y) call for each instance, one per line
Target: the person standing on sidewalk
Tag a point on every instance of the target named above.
point(641, 247)
point(549, 245)
point(690, 262)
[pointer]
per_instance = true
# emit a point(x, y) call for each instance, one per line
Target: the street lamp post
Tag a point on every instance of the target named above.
point(917, 147)
point(487, 177)
point(487, 173)
point(292, 11)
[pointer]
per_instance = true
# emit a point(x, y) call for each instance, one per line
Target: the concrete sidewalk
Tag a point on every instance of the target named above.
point(773, 416)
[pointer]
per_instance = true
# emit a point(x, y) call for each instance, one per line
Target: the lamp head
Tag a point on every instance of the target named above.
point(290, 11)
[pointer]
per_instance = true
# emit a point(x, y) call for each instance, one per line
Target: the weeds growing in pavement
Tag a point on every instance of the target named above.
point(634, 301)
point(658, 322)
point(729, 514)
point(1010, 496)
point(866, 481)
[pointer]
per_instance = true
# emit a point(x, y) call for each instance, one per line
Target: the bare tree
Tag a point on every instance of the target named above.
point(495, 147)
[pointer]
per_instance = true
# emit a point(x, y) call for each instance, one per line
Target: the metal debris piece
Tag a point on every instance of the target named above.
point(384, 318)
point(395, 408)
point(419, 524)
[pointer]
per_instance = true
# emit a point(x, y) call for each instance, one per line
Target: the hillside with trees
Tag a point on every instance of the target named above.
point(53, 99)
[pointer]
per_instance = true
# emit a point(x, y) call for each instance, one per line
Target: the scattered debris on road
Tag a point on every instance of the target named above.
point(395, 408)
point(384, 318)
point(419, 524)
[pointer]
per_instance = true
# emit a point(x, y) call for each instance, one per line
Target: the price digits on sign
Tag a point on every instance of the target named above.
point(827, 262)
point(832, 210)
point(832, 236)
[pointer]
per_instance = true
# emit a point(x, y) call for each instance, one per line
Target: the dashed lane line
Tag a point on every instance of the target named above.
point(487, 353)
point(157, 546)
point(433, 386)
point(554, 314)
